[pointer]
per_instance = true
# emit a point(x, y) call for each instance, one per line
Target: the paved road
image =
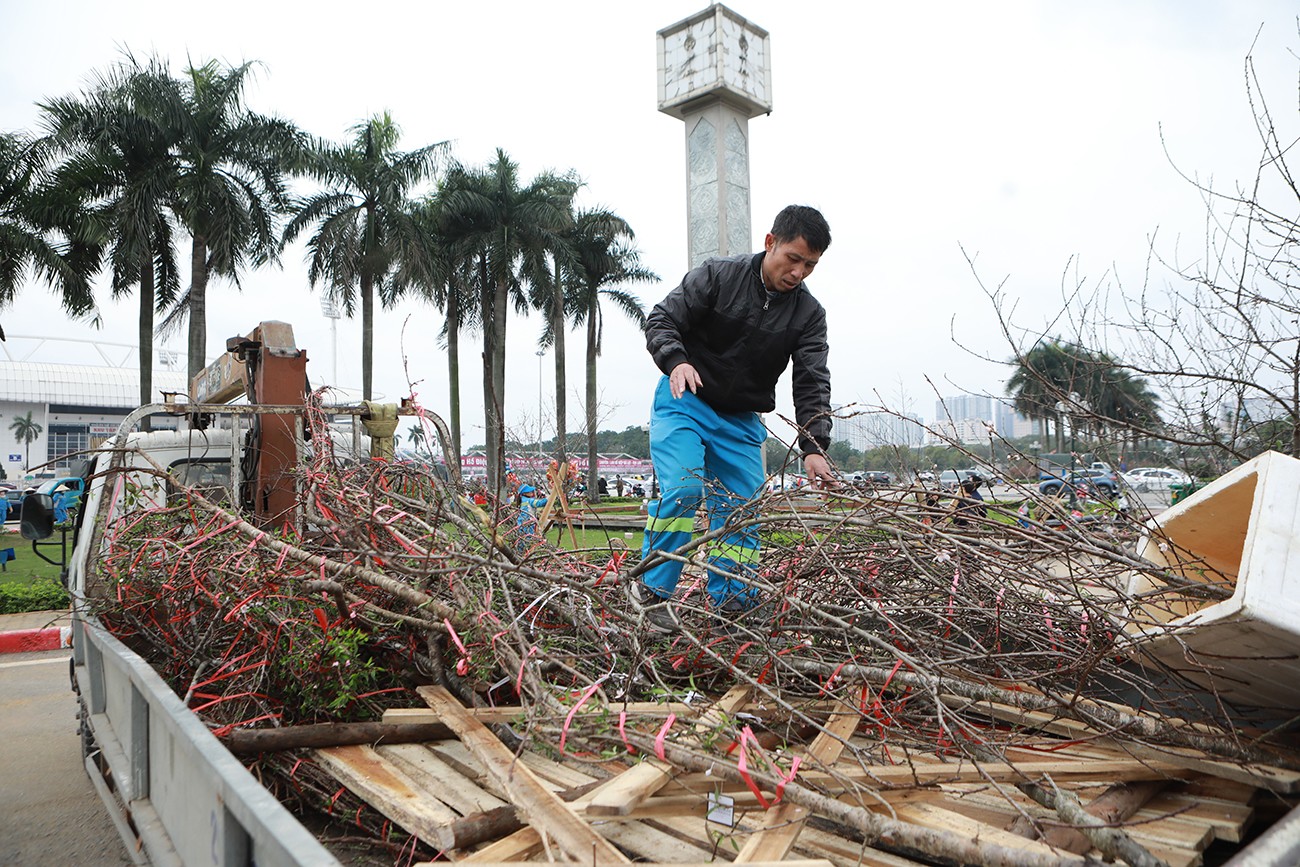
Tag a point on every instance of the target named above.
point(50, 814)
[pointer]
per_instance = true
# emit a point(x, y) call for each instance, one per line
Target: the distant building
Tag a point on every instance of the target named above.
point(970, 415)
point(1252, 410)
point(77, 406)
point(968, 431)
point(869, 430)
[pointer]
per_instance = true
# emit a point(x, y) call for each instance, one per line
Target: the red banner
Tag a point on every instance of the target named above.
point(477, 464)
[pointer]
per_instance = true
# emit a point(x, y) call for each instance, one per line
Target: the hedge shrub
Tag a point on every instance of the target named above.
point(43, 594)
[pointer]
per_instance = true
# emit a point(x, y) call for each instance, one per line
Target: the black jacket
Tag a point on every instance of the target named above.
point(740, 338)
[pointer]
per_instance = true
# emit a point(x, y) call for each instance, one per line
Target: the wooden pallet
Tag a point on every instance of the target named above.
point(475, 801)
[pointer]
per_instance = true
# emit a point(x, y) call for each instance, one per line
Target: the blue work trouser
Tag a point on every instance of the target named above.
point(704, 456)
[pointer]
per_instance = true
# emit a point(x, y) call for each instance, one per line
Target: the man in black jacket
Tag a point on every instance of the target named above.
point(722, 339)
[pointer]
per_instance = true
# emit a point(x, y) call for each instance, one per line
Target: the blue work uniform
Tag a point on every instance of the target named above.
point(707, 448)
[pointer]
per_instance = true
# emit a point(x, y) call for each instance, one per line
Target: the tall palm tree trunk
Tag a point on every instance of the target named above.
point(453, 365)
point(490, 413)
point(145, 332)
point(557, 329)
point(497, 364)
point(593, 346)
point(367, 333)
point(198, 307)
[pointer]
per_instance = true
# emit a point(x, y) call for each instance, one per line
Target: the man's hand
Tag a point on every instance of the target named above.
point(819, 470)
point(684, 376)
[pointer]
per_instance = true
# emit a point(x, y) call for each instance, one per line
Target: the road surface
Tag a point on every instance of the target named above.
point(51, 814)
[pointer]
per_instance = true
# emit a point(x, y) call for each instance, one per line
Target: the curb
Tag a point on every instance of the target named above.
point(27, 640)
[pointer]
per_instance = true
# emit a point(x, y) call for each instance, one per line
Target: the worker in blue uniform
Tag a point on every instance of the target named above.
point(722, 340)
point(531, 502)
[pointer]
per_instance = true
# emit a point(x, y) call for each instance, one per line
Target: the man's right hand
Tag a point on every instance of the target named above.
point(684, 376)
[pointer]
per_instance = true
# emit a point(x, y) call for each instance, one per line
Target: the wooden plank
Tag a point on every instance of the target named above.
point(846, 853)
point(391, 792)
point(437, 777)
point(554, 775)
point(630, 788)
point(875, 776)
point(1276, 779)
point(783, 822)
point(993, 811)
point(562, 776)
point(540, 805)
point(519, 846)
point(809, 862)
point(633, 786)
point(1111, 806)
point(940, 819)
point(1227, 819)
point(663, 806)
point(1280, 780)
point(652, 844)
point(1173, 832)
point(514, 713)
point(1203, 786)
point(1172, 856)
point(464, 762)
point(1146, 827)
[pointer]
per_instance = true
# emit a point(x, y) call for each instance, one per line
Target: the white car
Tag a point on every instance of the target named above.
point(1156, 478)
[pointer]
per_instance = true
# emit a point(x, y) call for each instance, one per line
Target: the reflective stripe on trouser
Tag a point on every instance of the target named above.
point(702, 455)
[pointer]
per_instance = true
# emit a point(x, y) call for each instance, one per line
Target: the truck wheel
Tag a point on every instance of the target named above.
point(83, 729)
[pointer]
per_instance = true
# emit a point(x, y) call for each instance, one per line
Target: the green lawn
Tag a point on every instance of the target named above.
point(28, 583)
point(595, 537)
point(26, 567)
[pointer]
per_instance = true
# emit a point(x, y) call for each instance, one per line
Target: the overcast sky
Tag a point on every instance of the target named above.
point(1027, 134)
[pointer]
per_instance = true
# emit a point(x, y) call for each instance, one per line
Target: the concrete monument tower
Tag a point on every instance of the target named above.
point(714, 75)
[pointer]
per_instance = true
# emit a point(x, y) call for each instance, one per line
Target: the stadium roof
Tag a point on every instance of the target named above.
point(82, 384)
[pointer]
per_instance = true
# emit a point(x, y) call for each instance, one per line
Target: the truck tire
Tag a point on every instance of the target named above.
point(83, 729)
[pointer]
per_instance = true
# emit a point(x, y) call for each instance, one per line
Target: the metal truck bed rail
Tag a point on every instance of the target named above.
point(185, 797)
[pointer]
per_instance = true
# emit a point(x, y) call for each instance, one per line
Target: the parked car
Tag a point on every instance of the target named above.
point(1091, 481)
point(11, 499)
point(871, 479)
point(949, 480)
point(1156, 478)
point(65, 494)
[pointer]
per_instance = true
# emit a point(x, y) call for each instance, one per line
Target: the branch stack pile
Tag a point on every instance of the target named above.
point(916, 627)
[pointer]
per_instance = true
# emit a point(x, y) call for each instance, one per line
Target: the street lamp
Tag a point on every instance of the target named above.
point(331, 310)
point(988, 425)
point(541, 353)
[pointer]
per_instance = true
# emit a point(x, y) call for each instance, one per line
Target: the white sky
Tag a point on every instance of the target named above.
point(1028, 134)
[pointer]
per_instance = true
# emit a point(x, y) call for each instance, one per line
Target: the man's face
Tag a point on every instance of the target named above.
point(787, 263)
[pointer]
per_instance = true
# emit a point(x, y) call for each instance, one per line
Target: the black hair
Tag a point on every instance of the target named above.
point(801, 221)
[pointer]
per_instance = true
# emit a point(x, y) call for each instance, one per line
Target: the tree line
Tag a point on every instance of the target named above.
point(120, 175)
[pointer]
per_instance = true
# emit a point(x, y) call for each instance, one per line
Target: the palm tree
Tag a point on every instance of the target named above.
point(1118, 399)
point(1056, 379)
point(118, 161)
point(600, 257)
point(511, 228)
point(26, 431)
point(452, 290)
point(1043, 382)
point(547, 282)
point(40, 229)
point(367, 237)
point(230, 180)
